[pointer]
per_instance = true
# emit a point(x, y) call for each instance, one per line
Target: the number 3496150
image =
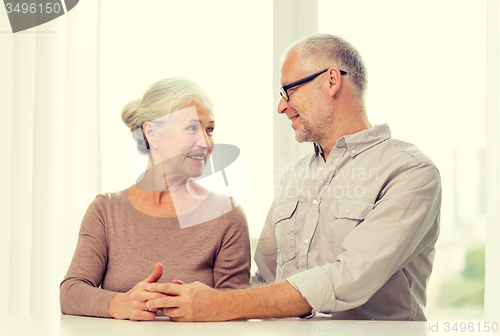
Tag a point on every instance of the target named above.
point(33, 8)
point(471, 327)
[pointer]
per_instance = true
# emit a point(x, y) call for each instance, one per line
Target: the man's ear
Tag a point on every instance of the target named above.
point(334, 81)
point(149, 133)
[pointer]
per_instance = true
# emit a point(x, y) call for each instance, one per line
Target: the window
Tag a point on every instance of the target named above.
point(426, 66)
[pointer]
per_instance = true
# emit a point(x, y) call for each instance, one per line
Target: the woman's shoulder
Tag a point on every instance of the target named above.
point(109, 210)
point(104, 203)
point(110, 198)
point(228, 209)
point(232, 223)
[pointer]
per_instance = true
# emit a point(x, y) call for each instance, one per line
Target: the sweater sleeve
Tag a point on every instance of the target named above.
point(232, 263)
point(79, 292)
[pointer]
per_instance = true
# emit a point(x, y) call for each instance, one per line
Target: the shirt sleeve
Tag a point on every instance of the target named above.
point(232, 263)
point(403, 222)
point(79, 292)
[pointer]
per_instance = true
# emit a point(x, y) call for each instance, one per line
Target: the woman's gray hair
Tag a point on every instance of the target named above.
point(319, 51)
point(160, 99)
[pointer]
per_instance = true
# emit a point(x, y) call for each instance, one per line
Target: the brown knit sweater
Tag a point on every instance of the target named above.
point(118, 247)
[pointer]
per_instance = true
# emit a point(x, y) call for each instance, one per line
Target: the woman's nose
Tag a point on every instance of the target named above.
point(203, 140)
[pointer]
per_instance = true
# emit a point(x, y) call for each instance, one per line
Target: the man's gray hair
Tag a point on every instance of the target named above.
point(319, 51)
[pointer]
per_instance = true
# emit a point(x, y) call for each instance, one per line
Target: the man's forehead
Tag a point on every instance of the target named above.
point(289, 69)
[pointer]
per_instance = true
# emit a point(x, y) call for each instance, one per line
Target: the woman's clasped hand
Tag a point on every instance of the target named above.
point(132, 304)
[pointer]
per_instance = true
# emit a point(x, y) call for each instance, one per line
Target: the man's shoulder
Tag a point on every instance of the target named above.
point(403, 153)
point(389, 149)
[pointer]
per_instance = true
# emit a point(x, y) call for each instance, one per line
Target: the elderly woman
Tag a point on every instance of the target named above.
point(166, 223)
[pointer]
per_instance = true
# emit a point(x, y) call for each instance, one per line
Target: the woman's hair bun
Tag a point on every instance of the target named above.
point(130, 114)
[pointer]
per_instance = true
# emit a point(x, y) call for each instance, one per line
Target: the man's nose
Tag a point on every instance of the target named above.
point(282, 105)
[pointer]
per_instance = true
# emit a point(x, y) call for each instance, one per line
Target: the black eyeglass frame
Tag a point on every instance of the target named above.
point(284, 89)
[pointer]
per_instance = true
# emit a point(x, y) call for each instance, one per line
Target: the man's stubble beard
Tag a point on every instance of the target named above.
point(314, 130)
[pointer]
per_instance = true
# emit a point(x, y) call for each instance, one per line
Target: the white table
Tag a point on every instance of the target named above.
point(63, 325)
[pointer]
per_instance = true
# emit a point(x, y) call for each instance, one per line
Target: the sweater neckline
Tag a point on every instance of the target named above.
point(135, 211)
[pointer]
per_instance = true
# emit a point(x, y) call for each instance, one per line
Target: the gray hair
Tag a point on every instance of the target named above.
point(319, 51)
point(160, 99)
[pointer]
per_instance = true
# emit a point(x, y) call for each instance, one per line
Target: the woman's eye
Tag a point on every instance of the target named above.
point(192, 128)
point(210, 130)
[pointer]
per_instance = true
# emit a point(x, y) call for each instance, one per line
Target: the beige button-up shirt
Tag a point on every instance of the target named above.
point(355, 235)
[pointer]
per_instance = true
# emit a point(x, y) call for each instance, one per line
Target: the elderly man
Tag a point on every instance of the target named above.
point(353, 229)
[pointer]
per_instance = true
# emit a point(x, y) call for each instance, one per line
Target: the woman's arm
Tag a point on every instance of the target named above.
point(232, 263)
point(80, 292)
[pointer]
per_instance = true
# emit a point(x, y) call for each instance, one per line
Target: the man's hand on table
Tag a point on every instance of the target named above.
point(188, 302)
point(198, 302)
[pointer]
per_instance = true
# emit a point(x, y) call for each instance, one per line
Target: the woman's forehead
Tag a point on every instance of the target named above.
point(201, 113)
point(191, 113)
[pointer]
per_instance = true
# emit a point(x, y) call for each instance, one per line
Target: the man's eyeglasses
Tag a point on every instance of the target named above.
point(284, 89)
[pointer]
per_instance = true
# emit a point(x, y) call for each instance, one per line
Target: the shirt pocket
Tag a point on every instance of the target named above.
point(284, 216)
point(345, 215)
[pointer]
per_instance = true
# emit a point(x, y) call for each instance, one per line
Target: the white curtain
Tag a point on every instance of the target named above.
point(50, 168)
point(492, 274)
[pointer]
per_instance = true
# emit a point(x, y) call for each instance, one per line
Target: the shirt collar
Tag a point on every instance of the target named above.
point(361, 141)
point(317, 149)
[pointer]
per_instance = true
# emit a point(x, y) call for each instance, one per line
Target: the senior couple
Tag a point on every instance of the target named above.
point(168, 246)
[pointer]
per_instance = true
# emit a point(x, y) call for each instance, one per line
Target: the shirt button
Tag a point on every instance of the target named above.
point(306, 241)
point(353, 152)
point(315, 202)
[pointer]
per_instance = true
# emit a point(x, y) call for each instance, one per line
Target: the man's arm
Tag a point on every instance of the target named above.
point(403, 223)
point(198, 302)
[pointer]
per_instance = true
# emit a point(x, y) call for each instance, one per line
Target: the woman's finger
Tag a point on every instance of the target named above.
point(145, 296)
point(156, 274)
point(166, 302)
point(173, 313)
point(165, 288)
point(141, 315)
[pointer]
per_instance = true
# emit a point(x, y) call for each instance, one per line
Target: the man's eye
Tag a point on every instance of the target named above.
point(192, 128)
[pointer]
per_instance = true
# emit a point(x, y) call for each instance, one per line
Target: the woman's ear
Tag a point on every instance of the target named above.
point(149, 133)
